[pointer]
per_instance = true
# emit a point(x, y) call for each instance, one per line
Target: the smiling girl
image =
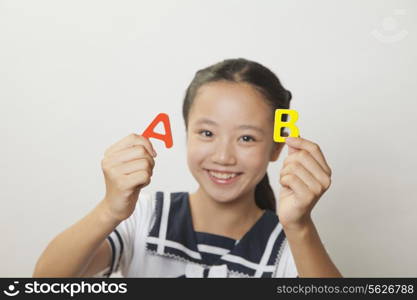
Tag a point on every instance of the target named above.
point(230, 226)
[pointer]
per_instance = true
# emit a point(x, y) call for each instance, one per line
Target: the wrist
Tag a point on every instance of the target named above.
point(299, 227)
point(105, 215)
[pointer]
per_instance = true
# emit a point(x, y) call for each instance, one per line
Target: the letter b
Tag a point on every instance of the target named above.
point(294, 132)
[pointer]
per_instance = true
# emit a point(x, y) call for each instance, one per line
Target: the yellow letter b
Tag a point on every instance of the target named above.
point(280, 124)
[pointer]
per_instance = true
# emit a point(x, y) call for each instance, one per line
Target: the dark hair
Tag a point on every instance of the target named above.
point(261, 78)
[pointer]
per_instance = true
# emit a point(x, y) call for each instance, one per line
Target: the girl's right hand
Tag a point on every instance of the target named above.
point(127, 166)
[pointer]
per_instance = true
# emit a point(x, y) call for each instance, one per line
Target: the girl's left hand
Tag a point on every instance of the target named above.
point(304, 177)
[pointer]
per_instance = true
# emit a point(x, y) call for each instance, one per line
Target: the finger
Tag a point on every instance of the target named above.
point(300, 189)
point(132, 140)
point(139, 178)
point(135, 166)
point(129, 154)
point(308, 162)
point(292, 149)
point(305, 175)
point(312, 148)
point(149, 146)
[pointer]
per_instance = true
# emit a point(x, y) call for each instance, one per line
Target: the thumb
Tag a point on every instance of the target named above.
point(292, 149)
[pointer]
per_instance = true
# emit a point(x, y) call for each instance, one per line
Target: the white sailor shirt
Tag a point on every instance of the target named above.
point(158, 240)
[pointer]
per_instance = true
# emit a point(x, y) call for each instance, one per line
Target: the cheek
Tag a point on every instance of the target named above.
point(196, 153)
point(254, 160)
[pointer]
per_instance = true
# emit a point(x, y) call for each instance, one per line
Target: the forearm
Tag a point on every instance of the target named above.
point(309, 254)
point(69, 253)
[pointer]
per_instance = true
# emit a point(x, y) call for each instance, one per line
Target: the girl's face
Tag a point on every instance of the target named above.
point(229, 139)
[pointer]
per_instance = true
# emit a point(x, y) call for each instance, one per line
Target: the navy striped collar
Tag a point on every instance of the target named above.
point(172, 235)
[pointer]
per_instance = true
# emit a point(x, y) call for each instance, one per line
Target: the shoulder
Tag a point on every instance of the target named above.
point(150, 203)
point(286, 266)
point(152, 196)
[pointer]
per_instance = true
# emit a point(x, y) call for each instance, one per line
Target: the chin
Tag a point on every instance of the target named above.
point(221, 196)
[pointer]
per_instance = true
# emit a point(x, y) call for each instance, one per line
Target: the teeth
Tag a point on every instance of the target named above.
point(222, 175)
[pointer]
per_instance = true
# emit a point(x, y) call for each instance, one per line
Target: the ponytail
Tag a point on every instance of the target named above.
point(264, 195)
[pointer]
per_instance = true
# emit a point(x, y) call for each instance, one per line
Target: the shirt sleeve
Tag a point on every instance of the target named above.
point(121, 240)
point(286, 266)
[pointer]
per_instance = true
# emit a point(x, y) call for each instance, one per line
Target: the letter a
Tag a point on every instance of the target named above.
point(294, 132)
point(167, 137)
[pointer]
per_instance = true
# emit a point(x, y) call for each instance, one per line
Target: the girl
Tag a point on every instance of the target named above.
point(230, 226)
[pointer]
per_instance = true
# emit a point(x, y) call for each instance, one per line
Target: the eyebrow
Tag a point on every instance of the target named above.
point(211, 122)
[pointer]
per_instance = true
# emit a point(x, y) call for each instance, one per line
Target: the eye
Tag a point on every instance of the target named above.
point(248, 138)
point(206, 133)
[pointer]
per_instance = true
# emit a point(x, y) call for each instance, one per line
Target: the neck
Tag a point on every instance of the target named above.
point(232, 219)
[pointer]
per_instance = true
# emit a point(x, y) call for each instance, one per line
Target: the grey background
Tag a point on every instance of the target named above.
point(76, 76)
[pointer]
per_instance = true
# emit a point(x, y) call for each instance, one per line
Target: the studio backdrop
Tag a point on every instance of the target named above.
point(77, 76)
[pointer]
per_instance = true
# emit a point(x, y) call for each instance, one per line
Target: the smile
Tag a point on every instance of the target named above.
point(223, 177)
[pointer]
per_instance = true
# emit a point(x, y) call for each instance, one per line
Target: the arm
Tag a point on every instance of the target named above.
point(309, 254)
point(80, 250)
point(304, 178)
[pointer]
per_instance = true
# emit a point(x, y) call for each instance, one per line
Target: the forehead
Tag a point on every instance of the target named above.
point(233, 102)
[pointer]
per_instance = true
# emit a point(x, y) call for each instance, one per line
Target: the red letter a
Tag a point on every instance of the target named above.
point(167, 137)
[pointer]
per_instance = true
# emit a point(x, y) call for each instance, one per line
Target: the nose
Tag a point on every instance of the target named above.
point(224, 153)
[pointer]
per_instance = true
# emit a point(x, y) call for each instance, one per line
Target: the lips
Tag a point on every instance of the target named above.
point(223, 177)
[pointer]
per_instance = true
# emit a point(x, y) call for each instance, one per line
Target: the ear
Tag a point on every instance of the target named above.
point(276, 149)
